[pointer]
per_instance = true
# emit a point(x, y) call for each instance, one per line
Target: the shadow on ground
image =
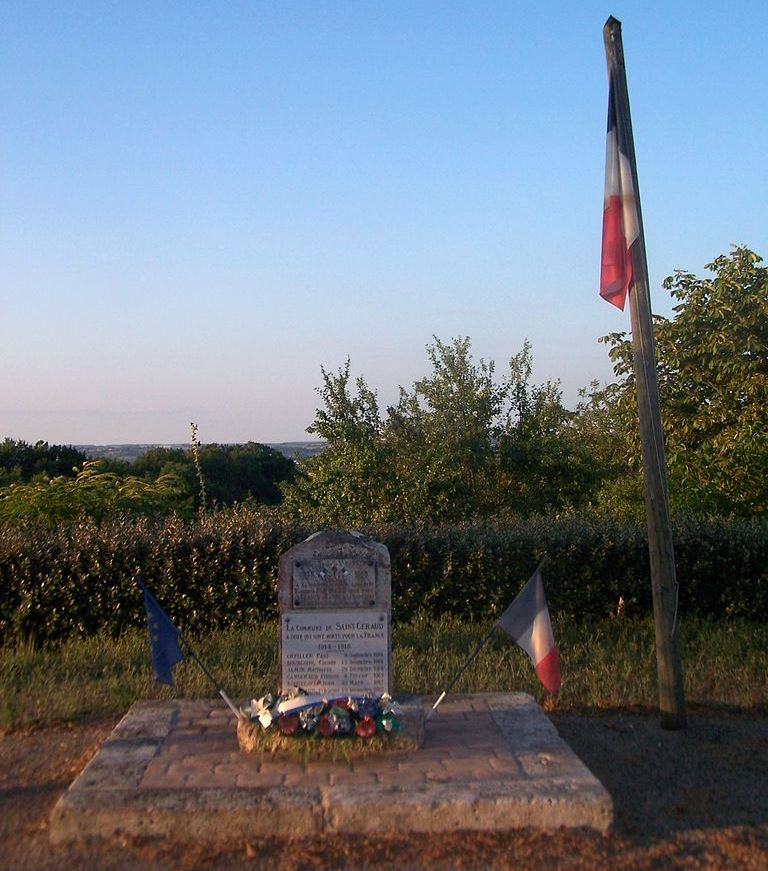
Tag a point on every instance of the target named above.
point(714, 773)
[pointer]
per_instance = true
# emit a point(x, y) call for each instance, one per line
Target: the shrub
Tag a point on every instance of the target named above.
point(93, 492)
point(220, 570)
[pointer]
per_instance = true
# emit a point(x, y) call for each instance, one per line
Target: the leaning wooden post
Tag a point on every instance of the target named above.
point(660, 547)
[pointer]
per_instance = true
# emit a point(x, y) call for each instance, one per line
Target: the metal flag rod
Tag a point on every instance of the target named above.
point(478, 647)
point(210, 677)
point(172, 642)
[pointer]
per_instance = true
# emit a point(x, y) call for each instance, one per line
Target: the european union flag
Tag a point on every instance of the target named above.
point(163, 639)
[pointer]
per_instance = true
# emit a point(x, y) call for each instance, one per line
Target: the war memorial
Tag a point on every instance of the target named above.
point(188, 769)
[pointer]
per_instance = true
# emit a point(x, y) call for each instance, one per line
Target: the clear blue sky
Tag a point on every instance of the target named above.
point(204, 202)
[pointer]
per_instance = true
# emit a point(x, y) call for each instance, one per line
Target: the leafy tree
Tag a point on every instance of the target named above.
point(542, 463)
point(442, 435)
point(236, 473)
point(163, 481)
point(607, 432)
point(713, 383)
point(21, 461)
point(167, 461)
point(460, 444)
point(151, 463)
point(351, 480)
point(232, 473)
point(114, 465)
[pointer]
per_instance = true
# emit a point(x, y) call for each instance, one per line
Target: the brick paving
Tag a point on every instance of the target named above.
point(461, 741)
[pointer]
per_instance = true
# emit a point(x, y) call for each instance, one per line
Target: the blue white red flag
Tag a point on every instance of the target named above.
point(621, 225)
point(527, 622)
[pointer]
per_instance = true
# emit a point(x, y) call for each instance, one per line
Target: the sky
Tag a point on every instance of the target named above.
point(204, 203)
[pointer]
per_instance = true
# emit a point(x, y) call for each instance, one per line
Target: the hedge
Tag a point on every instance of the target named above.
point(76, 578)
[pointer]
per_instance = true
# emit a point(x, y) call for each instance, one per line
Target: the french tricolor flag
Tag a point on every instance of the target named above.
point(621, 226)
point(527, 622)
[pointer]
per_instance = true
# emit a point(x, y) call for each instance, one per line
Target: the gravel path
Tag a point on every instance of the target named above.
point(694, 799)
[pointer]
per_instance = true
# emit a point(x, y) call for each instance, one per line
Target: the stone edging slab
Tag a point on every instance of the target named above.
point(489, 761)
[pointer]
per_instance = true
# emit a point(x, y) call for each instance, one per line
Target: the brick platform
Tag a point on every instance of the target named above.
point(173, 769)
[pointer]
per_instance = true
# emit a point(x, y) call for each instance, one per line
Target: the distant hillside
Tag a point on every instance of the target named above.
point(130, 452)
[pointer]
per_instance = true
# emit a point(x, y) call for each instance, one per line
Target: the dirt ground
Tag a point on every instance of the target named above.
point(693, 799)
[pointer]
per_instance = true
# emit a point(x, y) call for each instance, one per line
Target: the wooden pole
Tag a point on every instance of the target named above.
point(660, 547)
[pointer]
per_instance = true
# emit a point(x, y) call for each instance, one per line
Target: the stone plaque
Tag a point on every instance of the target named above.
point(336, 652)
point(334, 592)
point(321, 583)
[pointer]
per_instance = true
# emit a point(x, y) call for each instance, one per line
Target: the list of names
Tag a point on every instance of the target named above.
point(335, 652)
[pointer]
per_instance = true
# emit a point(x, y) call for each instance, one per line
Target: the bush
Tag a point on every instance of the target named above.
point(75, 578)
point(92, 492)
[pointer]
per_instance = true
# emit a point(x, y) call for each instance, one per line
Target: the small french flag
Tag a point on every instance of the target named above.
point(621, 225)
point(527, 622)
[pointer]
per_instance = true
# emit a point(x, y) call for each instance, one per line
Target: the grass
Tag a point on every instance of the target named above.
point(604, 665)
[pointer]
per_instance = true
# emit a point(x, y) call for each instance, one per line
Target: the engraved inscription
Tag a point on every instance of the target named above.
point(336, 652)
point(333, 584)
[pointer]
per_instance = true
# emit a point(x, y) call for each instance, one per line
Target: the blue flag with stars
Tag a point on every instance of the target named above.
point(163, 639)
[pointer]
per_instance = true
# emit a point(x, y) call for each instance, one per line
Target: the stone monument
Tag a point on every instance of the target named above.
point(495, 762)
point(335, 612)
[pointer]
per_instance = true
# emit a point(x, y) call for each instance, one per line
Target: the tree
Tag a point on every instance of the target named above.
point(460, 444)
point(251, 471)
point(443, 434)
point(232, 473)
point(350, 482)
point(607, 430)
point(543, 464)
point(713, 383)
point(20, 461)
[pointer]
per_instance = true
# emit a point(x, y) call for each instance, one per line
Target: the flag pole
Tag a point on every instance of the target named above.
point(472, 656)
point(478, 647)
point(210, 677)
point(660, 544)
point(178, 639)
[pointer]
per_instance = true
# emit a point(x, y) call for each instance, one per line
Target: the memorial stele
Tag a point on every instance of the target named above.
point(334, 593)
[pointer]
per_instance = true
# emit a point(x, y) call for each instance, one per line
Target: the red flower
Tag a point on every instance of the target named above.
point(325, 726)
point(366, 727)
point(288, 723)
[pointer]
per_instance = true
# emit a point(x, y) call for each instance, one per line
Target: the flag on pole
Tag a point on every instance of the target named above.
point(163, 639)
point(527, 622)
point(621, 226)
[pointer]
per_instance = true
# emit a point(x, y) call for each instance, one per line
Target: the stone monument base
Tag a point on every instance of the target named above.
point(173, 770)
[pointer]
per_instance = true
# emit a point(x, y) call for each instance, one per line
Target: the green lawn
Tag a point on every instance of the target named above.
point(604, 665)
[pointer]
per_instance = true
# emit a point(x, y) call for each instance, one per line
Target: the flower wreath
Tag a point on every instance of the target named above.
point(298, 712)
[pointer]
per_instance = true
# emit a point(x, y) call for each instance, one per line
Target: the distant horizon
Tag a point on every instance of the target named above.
point(143, 444)
point(130, 451)
point(189, 444)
